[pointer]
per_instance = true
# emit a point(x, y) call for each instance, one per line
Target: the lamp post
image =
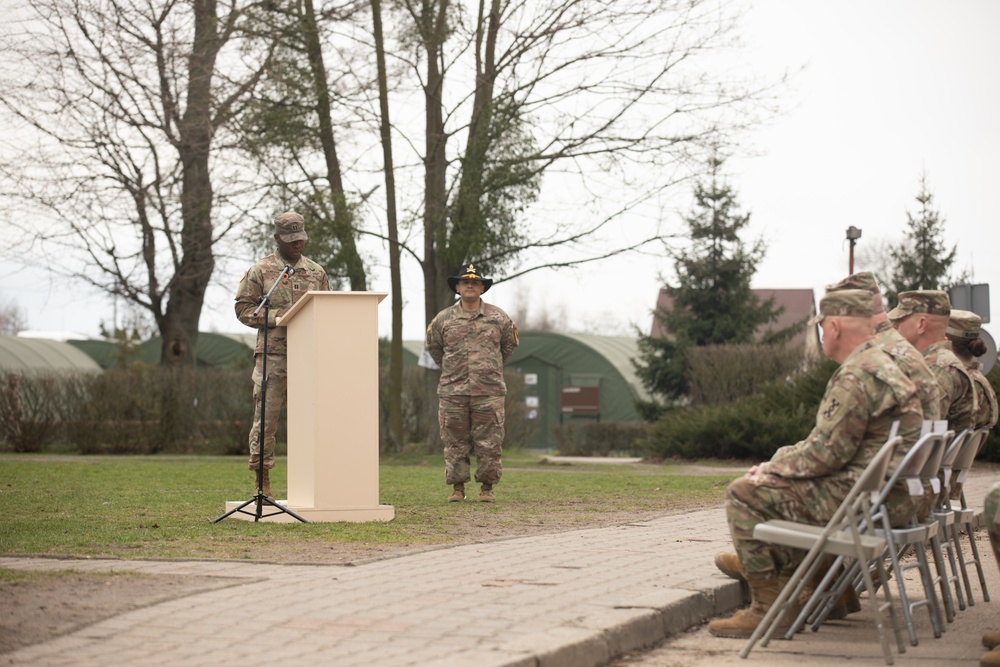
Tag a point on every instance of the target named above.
point(853, 234)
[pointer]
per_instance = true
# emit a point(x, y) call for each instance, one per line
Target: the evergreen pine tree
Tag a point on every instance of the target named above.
point(921, 261)
point(712, 302)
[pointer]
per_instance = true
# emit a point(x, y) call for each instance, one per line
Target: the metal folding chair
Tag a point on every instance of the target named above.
point(850, 534)
point(964, 516)
point(915, 535)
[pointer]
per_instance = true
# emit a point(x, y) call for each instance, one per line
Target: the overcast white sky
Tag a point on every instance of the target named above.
point(891, 89)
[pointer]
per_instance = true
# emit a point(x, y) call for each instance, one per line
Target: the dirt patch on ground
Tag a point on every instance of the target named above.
point(49, 604)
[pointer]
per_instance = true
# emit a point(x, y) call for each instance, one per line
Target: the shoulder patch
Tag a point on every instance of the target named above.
point(835, 403)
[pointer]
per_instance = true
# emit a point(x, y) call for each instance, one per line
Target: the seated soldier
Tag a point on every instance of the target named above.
point(806, 482)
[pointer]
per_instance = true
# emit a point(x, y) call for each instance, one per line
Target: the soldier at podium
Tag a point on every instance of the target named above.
point(471, 341)
point(290, 237)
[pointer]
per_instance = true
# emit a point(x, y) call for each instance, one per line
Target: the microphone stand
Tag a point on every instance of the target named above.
point(259, 499)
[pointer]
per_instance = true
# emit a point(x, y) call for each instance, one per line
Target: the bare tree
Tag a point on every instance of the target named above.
point(611, 99)
point(129, 101)
point(290, 131)
point(12, 319)
point(396, 349)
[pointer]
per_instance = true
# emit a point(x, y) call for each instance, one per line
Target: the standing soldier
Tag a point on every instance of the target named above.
point(290, 237)
point(471, 341)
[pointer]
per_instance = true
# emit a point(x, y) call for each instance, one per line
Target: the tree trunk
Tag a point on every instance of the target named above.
point(187, 292)
point(433, 29)
point(343, 219)
point(396, 344)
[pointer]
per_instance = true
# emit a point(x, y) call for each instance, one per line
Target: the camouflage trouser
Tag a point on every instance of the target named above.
point(277, 387)
point(991, 517)
point(749, 502)
point(472, 424)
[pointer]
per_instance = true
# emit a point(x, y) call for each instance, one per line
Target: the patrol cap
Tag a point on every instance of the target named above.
point(863, 280)
point(844, 303)
point(290, 227)
point(931, 302)
point(469, 272)
point(964, 324)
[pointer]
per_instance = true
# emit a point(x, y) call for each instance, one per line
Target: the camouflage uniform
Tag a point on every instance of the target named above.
point(900, 503)
point(991, 517)
point(964, 325)
point(308, 275)
point(958, 398)
point(471, 347)
point(985, 397)
point(807, 482)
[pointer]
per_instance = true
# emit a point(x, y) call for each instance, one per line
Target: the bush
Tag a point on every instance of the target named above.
point(32, 407)
point(600, 439)
point(132, 410)
point(720, 374)
point(782, 413)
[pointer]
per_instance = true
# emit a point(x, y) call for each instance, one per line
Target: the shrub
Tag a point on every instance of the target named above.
point(782, 413)
point(32, 407)
point(600, 439)
point(720, 374)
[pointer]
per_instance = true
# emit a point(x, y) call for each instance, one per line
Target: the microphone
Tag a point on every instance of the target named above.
point(288, 270)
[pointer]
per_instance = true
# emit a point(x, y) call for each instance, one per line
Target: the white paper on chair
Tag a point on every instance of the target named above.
point(914, 486)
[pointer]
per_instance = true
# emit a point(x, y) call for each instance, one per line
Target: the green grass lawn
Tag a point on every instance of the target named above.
point(161, 506)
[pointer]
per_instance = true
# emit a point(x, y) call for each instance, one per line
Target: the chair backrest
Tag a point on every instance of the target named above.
point(954, 448)
point(969, 450)
point(912, 464)
point(873, 477)
point(933, 464)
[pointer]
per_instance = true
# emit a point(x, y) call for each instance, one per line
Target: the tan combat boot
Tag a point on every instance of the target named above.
point(742, 624)
point(729, 564)
point(991, 659)
point(847, 603)
point(265, 485)
point(458, 495)
point(486, 494)
point(991, 638)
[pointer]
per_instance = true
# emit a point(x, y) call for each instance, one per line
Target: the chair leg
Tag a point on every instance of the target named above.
point(942, 580)
point(977, 562)
point(955, 577)
point(903, 598)
point(877, 609)
point(956, 539)
point(930, 594)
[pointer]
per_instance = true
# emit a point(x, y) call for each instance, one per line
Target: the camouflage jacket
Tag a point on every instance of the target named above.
point(958, 399)
point(256, 282)
point(912, 363)
point(471, 347)
point(986, 398)
point(863, 398)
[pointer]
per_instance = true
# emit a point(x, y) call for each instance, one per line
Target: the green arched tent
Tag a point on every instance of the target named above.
point(577, 377)
point(42, 355)
point(586, 366)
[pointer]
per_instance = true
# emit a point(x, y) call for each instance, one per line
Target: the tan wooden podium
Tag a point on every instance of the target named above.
point(333, 408)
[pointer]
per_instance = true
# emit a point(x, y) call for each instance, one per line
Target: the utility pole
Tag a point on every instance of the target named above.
point(853, 234)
